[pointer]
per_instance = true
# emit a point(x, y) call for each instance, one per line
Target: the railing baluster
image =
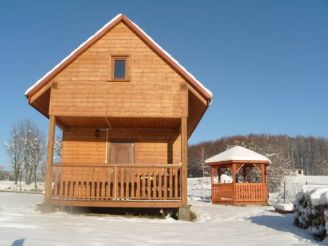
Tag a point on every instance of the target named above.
point(61, 182)
point(143, 191)
point(138, 183)
point(55, 172)
point(160, 185)
point(148, 183)
point(121, 183)
point(132, 182)
point(115, 183)
point(102, 182)
point(165, 183)
point(127, 183)
point(171, 183)
point(176, 183)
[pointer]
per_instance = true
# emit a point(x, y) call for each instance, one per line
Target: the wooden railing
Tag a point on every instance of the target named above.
point(116, 182)
point(222, 192)
point(249, 192)
point(239, 192)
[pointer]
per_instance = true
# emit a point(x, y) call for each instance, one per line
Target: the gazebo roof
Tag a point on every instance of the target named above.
point(237, 153)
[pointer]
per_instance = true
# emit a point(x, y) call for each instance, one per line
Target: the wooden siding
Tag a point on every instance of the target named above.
point(154, 89)
point(152, 146)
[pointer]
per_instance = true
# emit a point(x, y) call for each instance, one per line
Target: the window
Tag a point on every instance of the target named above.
point(120, 68)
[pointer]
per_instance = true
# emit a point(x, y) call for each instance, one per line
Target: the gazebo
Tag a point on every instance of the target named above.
point(248, 182)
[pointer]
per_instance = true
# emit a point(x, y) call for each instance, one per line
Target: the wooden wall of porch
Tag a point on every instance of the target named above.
point(151, 146)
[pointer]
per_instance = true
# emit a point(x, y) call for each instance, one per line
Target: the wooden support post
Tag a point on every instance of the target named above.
point(184, 160)
point(212, 181)
point(233, 174)
point(50, 155)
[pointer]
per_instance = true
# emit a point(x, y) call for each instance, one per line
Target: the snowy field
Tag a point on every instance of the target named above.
point(216, 225)
point(21, 224)
point(11, 186)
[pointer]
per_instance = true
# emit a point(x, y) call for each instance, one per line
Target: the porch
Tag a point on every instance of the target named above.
point(118, 162)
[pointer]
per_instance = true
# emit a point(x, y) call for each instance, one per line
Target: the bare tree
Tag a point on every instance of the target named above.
point(58, 148)
point(14, 148)
point(202, 163)
point(26, 148)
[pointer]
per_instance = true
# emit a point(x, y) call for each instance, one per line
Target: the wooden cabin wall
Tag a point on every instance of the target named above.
point(84, 87)
point(152, 146)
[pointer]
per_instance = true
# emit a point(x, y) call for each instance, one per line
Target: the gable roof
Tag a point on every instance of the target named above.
point(139, 32)
point(237, 153)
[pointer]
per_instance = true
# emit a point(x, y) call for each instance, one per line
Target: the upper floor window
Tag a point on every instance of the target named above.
point(120, 68)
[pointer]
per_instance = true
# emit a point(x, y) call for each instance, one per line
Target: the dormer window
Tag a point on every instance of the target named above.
point(120, 68)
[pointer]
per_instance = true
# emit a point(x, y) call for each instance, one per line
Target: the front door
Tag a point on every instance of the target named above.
point(121, 152)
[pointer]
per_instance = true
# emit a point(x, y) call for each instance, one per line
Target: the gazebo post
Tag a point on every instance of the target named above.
point(212, 182)
point(233, 174)
point(265, 178)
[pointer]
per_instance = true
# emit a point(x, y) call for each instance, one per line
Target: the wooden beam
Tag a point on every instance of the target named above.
point(116, 204)
point(184, 160)
point(50, 155)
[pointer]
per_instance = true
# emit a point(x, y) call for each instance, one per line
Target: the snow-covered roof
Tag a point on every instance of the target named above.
point(149, 40)
point(237, 153)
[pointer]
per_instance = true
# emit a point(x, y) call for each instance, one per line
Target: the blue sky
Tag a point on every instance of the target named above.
point(265, 61)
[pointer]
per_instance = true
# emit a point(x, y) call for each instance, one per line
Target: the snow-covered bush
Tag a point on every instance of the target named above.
point(311, 210)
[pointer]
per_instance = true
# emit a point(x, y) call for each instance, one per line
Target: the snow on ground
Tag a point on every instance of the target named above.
point(199, 188)
point(6, 185)
point(216, 225)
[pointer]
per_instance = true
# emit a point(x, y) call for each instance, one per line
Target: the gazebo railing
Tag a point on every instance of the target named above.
point(249, 192)
point(222, 192)
point(239, 192)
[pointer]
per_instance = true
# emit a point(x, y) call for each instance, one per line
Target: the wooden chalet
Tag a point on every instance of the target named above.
point(127, 109)
point(248, 178)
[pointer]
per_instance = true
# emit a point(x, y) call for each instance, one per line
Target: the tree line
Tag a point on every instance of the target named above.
point(286, 153)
